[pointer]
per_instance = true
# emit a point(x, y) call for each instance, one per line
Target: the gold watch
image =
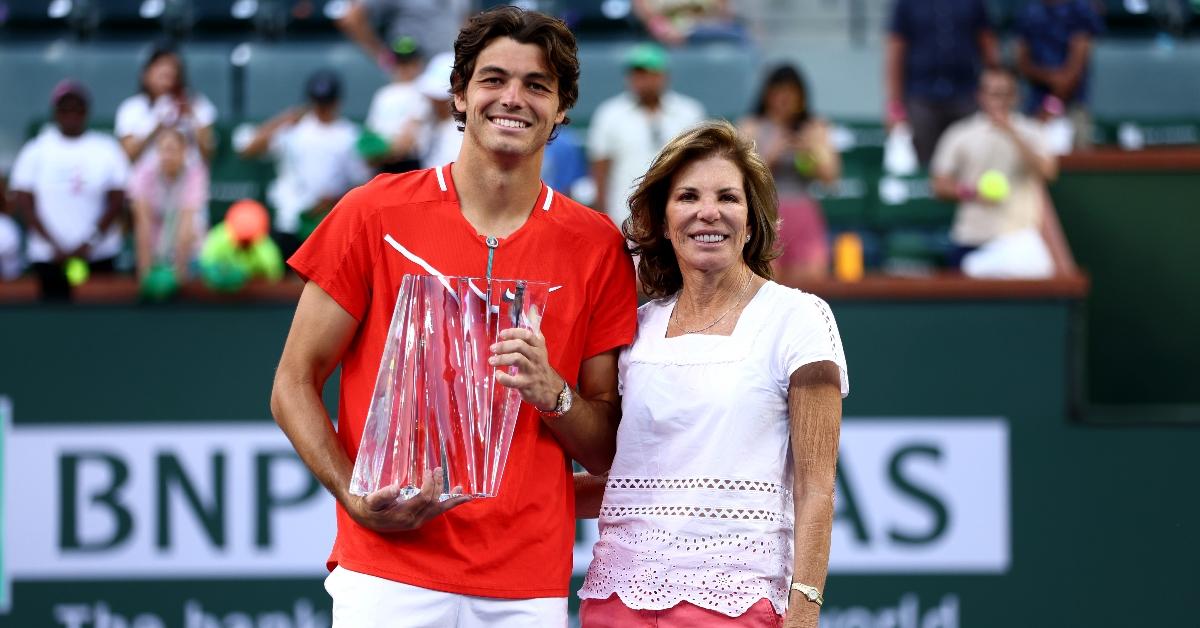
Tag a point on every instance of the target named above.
point(812, 594)
point(565, 397)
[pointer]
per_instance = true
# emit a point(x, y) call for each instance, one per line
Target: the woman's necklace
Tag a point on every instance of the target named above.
point(741, 295)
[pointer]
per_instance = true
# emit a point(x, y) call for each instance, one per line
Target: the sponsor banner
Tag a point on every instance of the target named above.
point(223, 499)
point(922, 496)
point(148, 500)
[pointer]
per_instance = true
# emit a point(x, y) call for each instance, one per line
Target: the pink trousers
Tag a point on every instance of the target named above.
point(612, 613)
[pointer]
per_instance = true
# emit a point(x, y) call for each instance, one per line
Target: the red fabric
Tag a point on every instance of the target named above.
point(612, 613)
point(517, 545)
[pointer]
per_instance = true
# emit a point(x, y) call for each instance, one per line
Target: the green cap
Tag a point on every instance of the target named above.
point(646, 57)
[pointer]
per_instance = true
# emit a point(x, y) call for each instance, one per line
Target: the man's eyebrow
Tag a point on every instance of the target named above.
point(532, 76)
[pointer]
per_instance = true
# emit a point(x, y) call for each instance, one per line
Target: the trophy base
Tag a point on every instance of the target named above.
point(408, 492)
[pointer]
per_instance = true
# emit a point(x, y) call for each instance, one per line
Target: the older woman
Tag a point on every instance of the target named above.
point(731, 399)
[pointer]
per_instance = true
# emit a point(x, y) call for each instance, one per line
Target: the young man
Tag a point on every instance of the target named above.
point(503, 561)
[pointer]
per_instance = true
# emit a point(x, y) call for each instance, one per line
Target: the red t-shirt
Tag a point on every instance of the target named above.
point(516, 545)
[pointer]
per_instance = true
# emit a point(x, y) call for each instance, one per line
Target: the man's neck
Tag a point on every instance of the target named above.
point(496, 194)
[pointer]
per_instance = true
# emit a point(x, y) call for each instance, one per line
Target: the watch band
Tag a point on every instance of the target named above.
point(563, 406)
point(811, 593)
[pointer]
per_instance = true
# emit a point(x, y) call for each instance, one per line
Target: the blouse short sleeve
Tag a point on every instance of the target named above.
point(807, 333)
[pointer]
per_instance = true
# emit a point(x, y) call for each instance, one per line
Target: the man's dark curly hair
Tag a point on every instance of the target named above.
point(526, 27)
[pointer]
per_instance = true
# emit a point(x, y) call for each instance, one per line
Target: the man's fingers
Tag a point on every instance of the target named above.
point(383, 498)
point(519, 360)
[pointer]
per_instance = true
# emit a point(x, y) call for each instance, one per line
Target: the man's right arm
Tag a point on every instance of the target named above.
point(321, 331)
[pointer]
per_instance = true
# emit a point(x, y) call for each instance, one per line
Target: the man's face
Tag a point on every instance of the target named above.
point(997, 93)
point(511, 101)
point(647, 85)
point(70, 115)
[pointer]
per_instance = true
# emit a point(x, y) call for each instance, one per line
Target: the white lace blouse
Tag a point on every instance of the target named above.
point(698, 505)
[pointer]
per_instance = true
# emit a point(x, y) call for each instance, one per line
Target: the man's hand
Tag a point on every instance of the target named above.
point(384, 511)
point(538, 382)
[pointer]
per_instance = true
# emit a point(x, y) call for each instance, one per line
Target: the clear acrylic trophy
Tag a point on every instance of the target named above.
point(436, 401)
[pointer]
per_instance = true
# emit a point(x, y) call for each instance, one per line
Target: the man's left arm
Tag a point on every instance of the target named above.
point(588, 432)
point(1039, 160)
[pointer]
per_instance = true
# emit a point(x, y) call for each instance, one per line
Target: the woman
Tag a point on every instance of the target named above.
point(731, 402)
point(796, 146)
point(169, 193)
point(164, 101)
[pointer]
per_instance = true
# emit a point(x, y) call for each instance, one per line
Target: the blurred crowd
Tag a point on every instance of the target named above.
point(79, 201)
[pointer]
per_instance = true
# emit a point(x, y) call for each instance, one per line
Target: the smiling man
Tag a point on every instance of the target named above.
point(503, 561)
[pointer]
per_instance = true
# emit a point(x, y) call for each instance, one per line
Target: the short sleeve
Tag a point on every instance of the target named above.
point(944, 160)
point(279, 141)
point(340, 254)
point(140, 178)
point(195, 190)
point(132, 118)
point(898, 22)
point(24, 171)
point(204, 112)
point(600, 143)
point(808, 334)
point(613, 301)
point(118, 170)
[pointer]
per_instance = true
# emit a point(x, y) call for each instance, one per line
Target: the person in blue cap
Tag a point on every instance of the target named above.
point(316, 159)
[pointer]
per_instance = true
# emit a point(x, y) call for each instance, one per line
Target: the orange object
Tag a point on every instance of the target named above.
point(848, 257)
point(247, 221)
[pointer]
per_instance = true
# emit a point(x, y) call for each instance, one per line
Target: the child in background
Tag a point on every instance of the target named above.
point(169, 193)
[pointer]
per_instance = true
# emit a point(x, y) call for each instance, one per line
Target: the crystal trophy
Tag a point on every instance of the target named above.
point(436, 401)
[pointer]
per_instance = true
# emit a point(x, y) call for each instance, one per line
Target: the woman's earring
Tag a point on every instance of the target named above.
point(747, 237)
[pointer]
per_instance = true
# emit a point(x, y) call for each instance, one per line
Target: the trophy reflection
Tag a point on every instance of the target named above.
point(436, 401)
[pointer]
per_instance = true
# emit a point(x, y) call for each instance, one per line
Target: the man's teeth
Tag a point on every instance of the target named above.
point(708, 237)
point(512, 124)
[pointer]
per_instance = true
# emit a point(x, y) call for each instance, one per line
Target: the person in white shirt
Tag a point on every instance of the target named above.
point(164, 101)
point(1000, 144)
point(69, 186)
point(628, 129)
point(399, 112)
point(316, 160)
point(442, 136)
point(11, 263)
point(731, 409)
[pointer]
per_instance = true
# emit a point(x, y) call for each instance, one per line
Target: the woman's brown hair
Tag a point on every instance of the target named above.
point(658, 269)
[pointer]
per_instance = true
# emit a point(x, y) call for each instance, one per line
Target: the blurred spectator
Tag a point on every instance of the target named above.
point(10, 239)
point(399, 112)
point(69, 185)
point(628, 129)
point(565, 164)
point(433, 24)
point(164, 101)
point(995, 165)
point(239, 249)
point(442, 137)
point(675, 22)
point(796, 145)
point(1054, 44)
point(316, 159)
point(935, 49)
point(169, 194)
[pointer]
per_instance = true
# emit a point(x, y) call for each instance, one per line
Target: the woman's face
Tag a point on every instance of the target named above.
point(707, 215)
point(162, 76)
point(785, 99)
point(171, 152)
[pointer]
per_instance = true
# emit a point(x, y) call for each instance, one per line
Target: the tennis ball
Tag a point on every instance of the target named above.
point(77, 271)
point(993, 186)
point(804, 164)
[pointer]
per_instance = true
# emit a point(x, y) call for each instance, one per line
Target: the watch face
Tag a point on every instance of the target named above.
point(811, 595)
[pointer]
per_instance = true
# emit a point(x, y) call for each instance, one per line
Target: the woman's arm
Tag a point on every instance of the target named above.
point(185, 239)
point(827, 162)
point(815, 415)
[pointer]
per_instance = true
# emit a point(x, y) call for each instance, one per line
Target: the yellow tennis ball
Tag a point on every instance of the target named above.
point(77, 271)
point(993, 186)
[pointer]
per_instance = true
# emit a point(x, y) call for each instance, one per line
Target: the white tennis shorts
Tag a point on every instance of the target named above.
point(363, 601)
